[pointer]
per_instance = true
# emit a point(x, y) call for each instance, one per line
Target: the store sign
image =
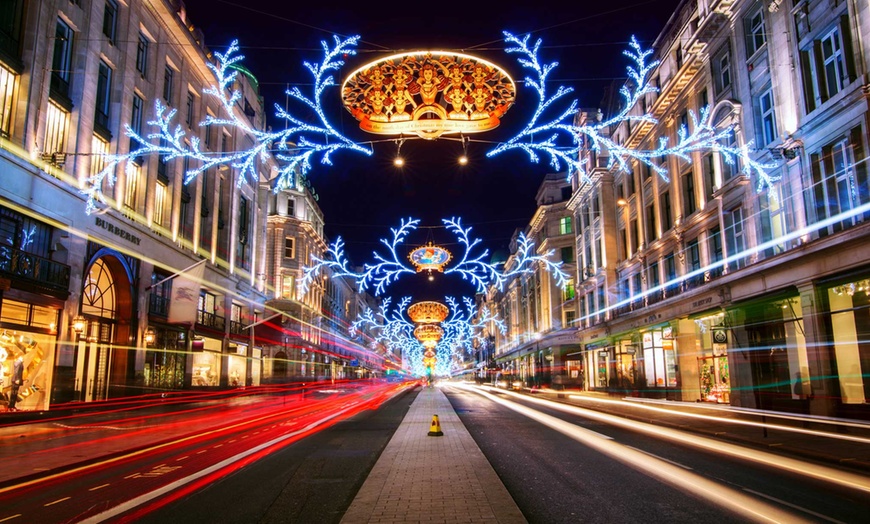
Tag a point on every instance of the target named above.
point(117, 231)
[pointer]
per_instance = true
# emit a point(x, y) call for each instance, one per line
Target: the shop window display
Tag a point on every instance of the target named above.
point(24, 373)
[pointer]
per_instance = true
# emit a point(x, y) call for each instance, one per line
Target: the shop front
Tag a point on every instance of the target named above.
point(206, 363)
point(713, 371)
point(846, 316)
point(28, 336)
point(165, 358)
point(660, 363)
point(237, 363)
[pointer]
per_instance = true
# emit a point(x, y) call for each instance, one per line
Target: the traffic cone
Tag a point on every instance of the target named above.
point(435, 428)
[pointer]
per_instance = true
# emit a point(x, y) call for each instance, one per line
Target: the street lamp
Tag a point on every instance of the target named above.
point(79, 324)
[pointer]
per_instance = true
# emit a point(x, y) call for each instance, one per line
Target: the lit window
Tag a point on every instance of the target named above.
point(160, 204)
point(56, 124)
point(7, 86)
point(131, 189)
point(832, 56)
point(565, 225)
point(99, 150)
point(289, 247)
point(288, 287)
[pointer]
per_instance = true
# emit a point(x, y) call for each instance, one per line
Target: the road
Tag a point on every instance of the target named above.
point(576, 467)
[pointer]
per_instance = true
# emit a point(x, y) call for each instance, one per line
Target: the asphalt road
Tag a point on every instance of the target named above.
point(312, 480)
point(554, 478)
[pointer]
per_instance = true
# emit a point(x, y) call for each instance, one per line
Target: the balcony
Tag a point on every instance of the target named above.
point(34, 271)
point(210, 320)
point(237, 328)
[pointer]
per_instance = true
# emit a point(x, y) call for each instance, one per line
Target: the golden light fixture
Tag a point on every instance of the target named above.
point(79, 324)
point(428, 93)
point(428, 312)
point(622, 202)
point(430, 258)
point(428, 334)
point(150, 336)
point(463, 160)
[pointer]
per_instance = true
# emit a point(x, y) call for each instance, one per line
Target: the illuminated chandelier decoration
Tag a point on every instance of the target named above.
point(563, 140)
point(428, 334)
point(428, 312)
point(388, 268)
point(428, 93)
point(430, 258)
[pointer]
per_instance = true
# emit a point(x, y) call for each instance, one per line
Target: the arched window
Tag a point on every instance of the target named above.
point(98, 295)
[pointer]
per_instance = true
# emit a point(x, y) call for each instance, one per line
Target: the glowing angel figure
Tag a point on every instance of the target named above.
point(703, 137)
point(297, 157)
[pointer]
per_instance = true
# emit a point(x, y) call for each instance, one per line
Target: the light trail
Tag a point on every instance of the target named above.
point(841, 478)
point(760, 425)
point(727, 498)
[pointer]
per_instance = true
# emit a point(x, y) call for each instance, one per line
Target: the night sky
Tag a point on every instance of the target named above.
point(363, 197)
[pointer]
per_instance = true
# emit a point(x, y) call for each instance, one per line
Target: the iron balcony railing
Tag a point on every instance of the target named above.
point(34, 269)
point(210, 320)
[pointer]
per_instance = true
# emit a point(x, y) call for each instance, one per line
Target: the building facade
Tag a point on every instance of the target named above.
point(702, 285)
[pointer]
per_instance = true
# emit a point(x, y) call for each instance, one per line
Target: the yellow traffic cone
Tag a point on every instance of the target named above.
point(435, 428)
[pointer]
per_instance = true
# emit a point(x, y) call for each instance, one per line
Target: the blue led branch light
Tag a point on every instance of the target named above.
point(389, 267)
point(463, 326)
point(565, 140)
point(296, 157)
point(563, 143)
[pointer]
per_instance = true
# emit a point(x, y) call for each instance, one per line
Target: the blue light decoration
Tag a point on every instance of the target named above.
point(388, 268)
point(388, 326)
point(565, 139)
point(297, 156)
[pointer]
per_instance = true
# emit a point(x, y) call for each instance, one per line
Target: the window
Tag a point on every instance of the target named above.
point(709, 175)
point(672, 288)
point(839, 183)
point(567, 254)
point(244, 219)
point(104, 93)
point(650, 224)
point(667, 214)
point(288, 287)
point(99, 150)
point(168, 73)
point(653, 278)
point(131, 187)
point(623, 243)
point(159, 216)
point(142, 54)
point(291, 207)
point(773, 218)
point(827, 64)
point(690, 205)
point(736, 242)
point(766, 127)
point(635, 235)
point(565, 225)
point(629, 184)
point(569, 291)
point(693, 260)
point(289, 247)
point(61, 64)
point(110, 20)
point(832, 58)
point(162, 161)
point(714, 243)
point(190, 108)
point(722, 70)
point(755, 36)
point(136, 124)
point(7, 89)
point(56, 124)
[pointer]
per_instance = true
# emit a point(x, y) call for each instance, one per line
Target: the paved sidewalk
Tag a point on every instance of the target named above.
point(423, 479)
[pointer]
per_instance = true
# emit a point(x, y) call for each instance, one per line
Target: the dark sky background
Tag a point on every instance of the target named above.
point(363, 197)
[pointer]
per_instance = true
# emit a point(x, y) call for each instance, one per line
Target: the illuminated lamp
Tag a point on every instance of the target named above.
point(430, 258)
point(428, 312)
point(428, 334)
point(150, 336)
point(79, 324)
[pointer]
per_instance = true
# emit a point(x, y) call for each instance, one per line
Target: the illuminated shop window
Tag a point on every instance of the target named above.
point(56, 125)
point(131, 187)
point(7, 86)
point(160, 193)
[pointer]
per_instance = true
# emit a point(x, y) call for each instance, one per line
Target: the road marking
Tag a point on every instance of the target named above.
point(131, 476)
point(246, 436)
point(10, 517)
point(55, 502)
point(794, 506)
point(201, 452)
point(99, 487)
point(660, 458)
point(219, 445)
point(182, 458)
point(230, 442)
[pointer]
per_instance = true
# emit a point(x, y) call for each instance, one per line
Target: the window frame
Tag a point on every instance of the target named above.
point(110, 20)
point(291, 247)
point(142, 47)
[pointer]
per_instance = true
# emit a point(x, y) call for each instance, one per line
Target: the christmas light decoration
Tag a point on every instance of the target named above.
point(565, 139)
point(388, 268)
point(481, 273)
point(296, 157)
